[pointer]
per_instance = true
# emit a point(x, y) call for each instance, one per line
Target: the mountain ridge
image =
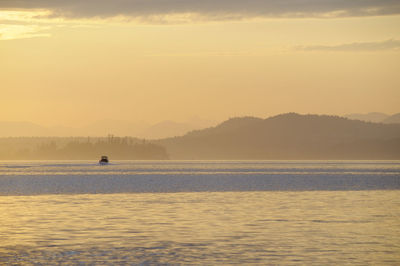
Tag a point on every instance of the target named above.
point(376, 117)
point(103, 128)
point(289, 136)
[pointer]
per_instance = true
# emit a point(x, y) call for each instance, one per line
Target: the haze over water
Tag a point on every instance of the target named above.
point(83, 78)
point(216, 212)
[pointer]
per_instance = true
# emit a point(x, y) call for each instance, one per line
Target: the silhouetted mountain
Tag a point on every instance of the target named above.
point(370, 117)
point(393, 119)
point(16, 129)
point(166, 128)
point(289, 136)
point(112, 126)
point(198, 123)
point(104, 127)
point(97, 129)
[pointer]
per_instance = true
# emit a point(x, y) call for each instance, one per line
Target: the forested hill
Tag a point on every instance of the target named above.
point(54, 148)
point(289, 136)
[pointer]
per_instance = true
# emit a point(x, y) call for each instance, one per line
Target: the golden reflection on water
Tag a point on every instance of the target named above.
point(326, 227)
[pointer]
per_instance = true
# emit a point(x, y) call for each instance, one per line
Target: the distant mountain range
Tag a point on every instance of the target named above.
point(103, 128)
point(393, 119)
point(140, 129)
point(286, 136)
point(17, 129)
point(376, 117)
point(289, 136)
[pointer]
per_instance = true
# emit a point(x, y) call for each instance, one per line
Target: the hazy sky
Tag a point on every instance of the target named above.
point(73, 62)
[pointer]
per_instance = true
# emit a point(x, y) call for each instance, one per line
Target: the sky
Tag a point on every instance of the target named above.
point(75, 62)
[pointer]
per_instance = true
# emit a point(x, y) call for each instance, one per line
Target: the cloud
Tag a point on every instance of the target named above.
point(211, 9)
point(391, 44)
point(12, 32)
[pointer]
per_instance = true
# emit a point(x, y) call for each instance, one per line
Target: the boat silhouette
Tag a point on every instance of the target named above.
point(103, 160)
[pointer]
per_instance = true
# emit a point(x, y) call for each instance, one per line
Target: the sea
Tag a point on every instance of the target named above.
point(200, 213)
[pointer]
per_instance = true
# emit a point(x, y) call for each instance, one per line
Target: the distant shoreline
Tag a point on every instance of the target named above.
point(283, 137)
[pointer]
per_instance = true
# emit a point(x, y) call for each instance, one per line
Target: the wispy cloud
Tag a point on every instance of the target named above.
point(22, 24)
point(391, 44)
point(11, 32)
point(213, 9)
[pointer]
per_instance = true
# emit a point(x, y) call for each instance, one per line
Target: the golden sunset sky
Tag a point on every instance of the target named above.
point(77, 61)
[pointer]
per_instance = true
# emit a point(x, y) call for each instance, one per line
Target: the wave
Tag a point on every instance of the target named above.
point(87, 177)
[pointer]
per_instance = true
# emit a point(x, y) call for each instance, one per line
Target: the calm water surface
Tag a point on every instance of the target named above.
point(207, 213)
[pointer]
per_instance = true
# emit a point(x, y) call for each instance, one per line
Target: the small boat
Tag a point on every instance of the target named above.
point(103, 160)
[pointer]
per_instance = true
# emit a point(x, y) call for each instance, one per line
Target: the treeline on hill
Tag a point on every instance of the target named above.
point(289, 137)
point(116, 148)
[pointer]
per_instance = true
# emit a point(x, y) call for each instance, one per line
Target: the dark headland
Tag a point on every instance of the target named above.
point(289, 136)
